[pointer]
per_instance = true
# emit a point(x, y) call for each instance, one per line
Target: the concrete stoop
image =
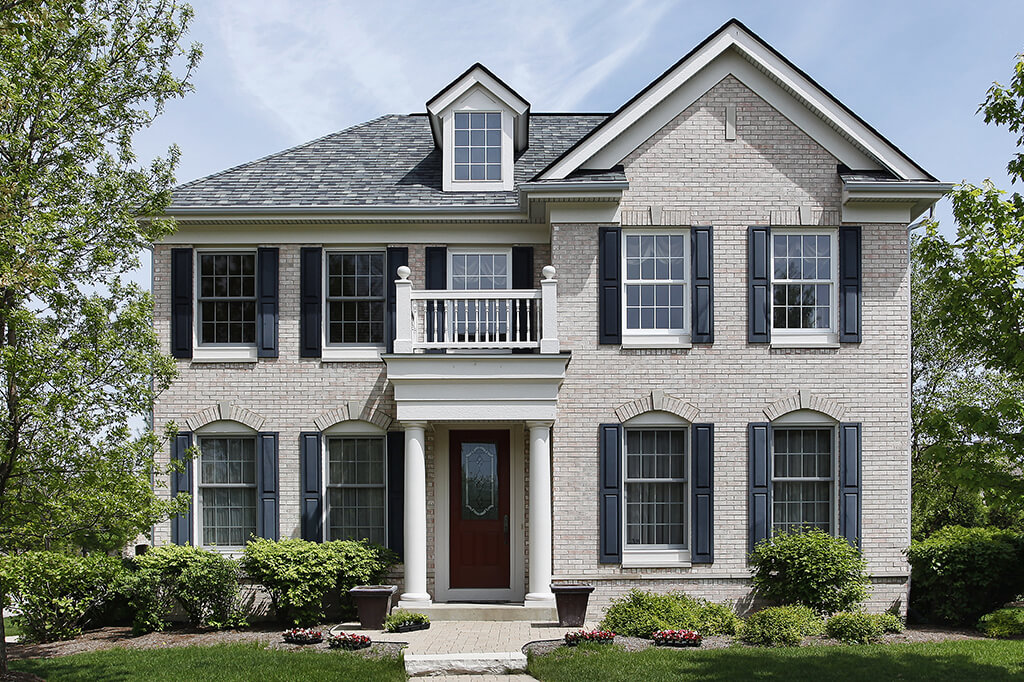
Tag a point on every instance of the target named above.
point(543, 612)
point(500, 663)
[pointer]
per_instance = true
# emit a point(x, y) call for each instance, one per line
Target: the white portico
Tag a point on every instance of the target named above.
point(490, 412)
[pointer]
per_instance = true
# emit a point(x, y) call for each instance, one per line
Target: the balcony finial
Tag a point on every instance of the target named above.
point(403, 272)
point(548, 271)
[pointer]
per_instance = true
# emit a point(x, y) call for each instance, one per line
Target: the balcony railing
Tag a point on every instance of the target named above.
point(504, 319)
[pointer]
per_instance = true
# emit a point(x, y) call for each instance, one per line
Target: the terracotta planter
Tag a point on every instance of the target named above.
point(373, 604)
point(571, 602)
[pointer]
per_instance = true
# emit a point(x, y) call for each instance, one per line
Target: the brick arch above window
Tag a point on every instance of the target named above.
point(657, 401)
point(225, 411)
point(805, 400)
point(354, 410)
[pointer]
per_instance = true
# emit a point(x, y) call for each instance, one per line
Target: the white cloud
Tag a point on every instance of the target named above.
point(318, 67)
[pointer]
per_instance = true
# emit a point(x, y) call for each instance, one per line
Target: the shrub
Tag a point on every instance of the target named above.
point(889, 622)
point(299, 574)
point(959, 574)
point(57, 593)
point(781, 626)
point(810, 568)
point(854, 627)
point(400, 617)
point(1003, 623)
point(205, 583)
point(640, 614)
point(149, 598)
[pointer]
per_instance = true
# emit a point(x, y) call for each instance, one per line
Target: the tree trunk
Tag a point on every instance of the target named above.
point(3, 639)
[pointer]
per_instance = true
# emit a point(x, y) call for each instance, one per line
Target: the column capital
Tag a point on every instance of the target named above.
point(415, 425)
point(539, 424)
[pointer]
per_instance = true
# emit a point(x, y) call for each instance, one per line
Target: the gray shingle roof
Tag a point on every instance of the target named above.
point(389, 161)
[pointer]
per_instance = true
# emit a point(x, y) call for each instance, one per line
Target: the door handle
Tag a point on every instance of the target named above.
point(505, 524)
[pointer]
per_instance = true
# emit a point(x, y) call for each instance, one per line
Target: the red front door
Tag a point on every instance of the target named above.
point(479, 513)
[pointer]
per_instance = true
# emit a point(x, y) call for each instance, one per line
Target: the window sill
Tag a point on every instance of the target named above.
point(224, 354)
point(656, 558)
point(353, 354)
point(655, 341)
point(804, 340)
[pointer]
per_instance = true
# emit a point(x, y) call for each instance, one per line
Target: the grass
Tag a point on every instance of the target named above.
point(989, 660)
point(11, 627)
point(221, 663)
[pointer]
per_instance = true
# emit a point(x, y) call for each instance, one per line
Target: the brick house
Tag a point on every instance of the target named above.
point(522, 348)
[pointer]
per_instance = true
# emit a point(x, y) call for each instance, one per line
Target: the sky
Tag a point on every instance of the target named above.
point(277, 73)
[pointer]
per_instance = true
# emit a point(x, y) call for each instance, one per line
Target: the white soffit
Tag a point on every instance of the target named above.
point(735, 51)
point(478, 76)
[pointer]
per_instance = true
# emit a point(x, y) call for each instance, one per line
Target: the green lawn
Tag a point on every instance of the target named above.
point(10, 627)
point(221, 663)
point(989, 660)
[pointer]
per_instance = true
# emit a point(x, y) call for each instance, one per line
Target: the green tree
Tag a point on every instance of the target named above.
point(78, 356)
point(969, 340)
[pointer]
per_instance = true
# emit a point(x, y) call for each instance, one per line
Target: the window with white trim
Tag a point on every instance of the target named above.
point(803, 479)
point(655, 282)
point(804, 275)
point(356, 488)
point(227, 490)
point(477, 146)
point(478, 270)
point(354, 293)
point(226, 298)
point(654, 487)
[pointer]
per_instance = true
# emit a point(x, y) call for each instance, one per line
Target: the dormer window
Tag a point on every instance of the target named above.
point(477, 146)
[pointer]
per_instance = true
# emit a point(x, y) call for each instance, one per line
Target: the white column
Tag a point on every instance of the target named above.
point(549, 311)
point(403, 311)
point(415, 517)
point(540, 513)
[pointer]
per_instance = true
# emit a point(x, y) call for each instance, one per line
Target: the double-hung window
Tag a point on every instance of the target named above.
point(356, 479)
point(802, 479)
point(655, 288)
point(480, 319)
point(654, 487)
point(477, 148)
point(226, 298)
point(355, 291)
point(227, 490)
point(804, 292)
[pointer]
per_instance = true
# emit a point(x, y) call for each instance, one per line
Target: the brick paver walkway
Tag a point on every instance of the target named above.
point(468, 636)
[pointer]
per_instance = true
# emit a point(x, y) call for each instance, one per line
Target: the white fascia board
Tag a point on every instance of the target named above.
point(364, 234)
point(890, 201)
point(478, 77)
point(809, 96)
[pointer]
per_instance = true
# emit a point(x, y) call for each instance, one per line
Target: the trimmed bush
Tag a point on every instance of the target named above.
point(1003, 623)
point(57, 593)
point(781, 626)
point(959, 574)
point(299, 574)
point(889, 622)
point(640, 614)
point(811, 568)
point(854, 627)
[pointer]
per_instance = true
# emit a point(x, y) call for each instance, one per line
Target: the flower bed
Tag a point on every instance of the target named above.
point(599, 636)
point(676, 638)
point(303, 636)
point(344, 640)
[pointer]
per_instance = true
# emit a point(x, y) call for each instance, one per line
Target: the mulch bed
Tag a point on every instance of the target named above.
point(110, 637)
point(914, 634)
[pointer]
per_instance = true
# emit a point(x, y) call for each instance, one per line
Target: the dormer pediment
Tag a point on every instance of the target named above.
point(480, 125)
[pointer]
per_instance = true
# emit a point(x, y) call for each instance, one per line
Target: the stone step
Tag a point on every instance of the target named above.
point(500, 663)
point(489, 612)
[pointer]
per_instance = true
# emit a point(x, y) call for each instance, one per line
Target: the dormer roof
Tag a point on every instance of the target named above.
point(479, 76)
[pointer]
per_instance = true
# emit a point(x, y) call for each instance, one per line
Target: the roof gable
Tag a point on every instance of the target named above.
point(735, 50)
point(479, 76)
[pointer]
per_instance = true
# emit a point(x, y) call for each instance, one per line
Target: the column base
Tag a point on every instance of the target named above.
point(539, 599)
point(412, 600)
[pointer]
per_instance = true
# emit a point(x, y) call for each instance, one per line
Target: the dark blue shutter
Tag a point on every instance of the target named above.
point(849, 482)
point(310, 487)
point(396, 257)
point(181, 482)
point(435, 278)
point(522, 278)
point(849, 284)
point(181, 303)
point(396, 492)
point(310, 303)
point(760, 482)
point(759, 291)
point(609, 285)
point(267, 487)
point(702, 281)
point(266, 305)
point(703, 456)
point(610, 494)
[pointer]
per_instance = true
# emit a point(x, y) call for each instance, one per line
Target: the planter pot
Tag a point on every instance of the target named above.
point(571, 602)
point(591, 641)
point(373, 604)
point(412, 627)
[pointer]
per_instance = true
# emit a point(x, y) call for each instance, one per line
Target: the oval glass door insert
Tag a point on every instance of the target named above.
point(479, 481)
